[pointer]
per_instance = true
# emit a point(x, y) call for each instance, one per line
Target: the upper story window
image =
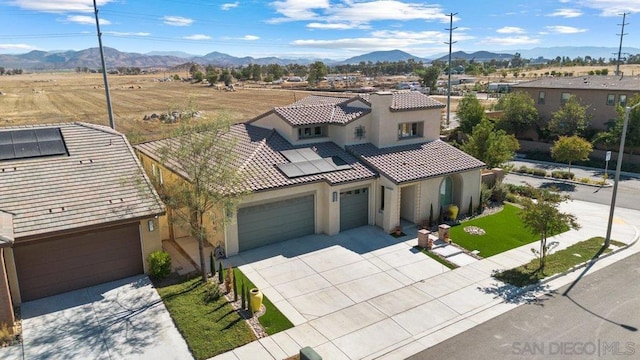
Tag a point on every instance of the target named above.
point(311, 132)
point(611, 99)
point(541, 95)
point(622, 100)
point(565, 97)
point(409, 130)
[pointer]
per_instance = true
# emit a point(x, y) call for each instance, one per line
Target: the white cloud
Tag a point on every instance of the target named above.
point(120, 33)
point(15, 47)
point(613, 7)
point(384, 39)
point(86, 20)
point(229, 6)
point(197, 37)
point(177, 21)
point(250, 37)
point(356, 12)
point(561, 29)
point(510, 40)
point(336, 26)
point(567, 13)
point(510, 30)
point(59, 6)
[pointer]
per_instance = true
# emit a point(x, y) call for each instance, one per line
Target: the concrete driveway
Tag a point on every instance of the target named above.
point(313, 276)
point(124, 319)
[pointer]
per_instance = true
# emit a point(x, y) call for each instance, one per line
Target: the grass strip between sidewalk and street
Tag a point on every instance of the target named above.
point(438, 258)
point(557, 262)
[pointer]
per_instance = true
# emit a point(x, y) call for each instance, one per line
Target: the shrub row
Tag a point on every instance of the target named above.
point(561, 174)
point(531, 171)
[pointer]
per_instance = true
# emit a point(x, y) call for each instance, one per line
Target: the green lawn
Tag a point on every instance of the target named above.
point(556, 263)
point(273, 321)
point(503, 231)
point(208, 328)
point(437, 258)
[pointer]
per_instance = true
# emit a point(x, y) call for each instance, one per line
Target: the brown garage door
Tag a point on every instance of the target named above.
point(61, 264)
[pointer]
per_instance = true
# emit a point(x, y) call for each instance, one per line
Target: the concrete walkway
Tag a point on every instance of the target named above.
point(398, 321)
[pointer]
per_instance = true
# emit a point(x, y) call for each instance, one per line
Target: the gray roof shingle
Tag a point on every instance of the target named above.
point(598, 82)
point(408, 163)
point(410, 100)
point(258, 152)
point(99, 182)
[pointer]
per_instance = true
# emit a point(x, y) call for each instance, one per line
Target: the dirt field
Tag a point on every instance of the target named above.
point(60, 97)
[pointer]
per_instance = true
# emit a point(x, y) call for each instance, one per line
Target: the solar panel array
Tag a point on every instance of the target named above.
point(304, 162)
point(31, 143)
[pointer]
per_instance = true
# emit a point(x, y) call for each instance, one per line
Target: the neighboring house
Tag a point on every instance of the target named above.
point(599, 93)
point(328, 164)
point(76, 209)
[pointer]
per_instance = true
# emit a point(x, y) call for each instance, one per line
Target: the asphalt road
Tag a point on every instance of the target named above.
point(595, 317)
point(628, 190)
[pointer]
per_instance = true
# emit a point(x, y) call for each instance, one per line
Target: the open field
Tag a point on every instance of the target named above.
point(64, 97)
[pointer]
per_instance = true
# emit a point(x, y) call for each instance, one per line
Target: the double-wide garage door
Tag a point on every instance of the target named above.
point(354, 208)
point(275, 221)
point(56, 265)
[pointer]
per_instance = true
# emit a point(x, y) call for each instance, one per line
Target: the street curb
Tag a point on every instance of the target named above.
point(625, 173)
point(577, 267)
point(607, 185)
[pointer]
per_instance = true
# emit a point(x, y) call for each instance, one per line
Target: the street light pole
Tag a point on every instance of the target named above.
point(627, 111)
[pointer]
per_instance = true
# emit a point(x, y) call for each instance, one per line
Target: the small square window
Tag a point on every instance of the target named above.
point(622, 100)
point(611, 99)
point(565, 97)
point(541, 96)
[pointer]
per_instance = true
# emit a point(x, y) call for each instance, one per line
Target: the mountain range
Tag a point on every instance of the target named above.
point(70, 59)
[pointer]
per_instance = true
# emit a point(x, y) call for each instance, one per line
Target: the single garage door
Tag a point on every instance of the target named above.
point(56, 265)
point(275, 221)
point(354, 208)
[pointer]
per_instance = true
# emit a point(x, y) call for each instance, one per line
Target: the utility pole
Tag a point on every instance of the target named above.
point(622, 34)
point(451, 28)
point(104, 69)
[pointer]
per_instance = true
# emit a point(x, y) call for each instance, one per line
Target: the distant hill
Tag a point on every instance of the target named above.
point(480, 56)
point(179, 54)
point(381, 56)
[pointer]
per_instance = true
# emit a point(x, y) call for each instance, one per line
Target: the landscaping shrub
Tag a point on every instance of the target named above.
point(561, 174)
point(159, 264)
point(6, 334)
point(220, 274)
point(512, 198)
point(539, 172)
point(212, 264)
point(585, 180)
point(498, 192)
point(212, 292)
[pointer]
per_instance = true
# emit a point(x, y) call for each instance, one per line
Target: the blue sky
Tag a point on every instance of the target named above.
point(314, 28)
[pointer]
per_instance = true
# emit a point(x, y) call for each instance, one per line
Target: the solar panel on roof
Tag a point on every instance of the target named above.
point(304, 162)
point(29, 143)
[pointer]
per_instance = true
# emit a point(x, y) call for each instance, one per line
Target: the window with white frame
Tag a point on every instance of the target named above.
point(565, 97)
point(409, 130)
point(541, 96)
point(611, 99)
point(622, 100)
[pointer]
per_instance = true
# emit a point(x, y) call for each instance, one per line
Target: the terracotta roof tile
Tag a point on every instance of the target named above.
point(409, 100)
point(99, 182)
point(416, 162)
point(258, 151)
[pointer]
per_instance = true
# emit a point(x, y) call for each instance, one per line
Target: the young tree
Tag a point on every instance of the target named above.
point(470, 113)
point(570, 149)
point(543, 217)
point(614, 134)
point(202, 153)
point(519, 112)
point(492, 146)
point(570, 119)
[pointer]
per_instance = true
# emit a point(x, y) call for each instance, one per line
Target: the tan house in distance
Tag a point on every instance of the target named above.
point(76, 209)
point(328, 164)
point(599, 93)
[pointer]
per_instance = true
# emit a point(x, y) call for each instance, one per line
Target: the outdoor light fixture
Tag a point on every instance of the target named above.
point(151, 225)
point(335, 196)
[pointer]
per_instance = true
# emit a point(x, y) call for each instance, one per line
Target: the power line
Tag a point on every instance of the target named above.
point(622, 34)
point(451, 42)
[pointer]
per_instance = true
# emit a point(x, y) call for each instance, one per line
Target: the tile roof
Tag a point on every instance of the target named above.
point(341, 110)
point(408, 163)
point(99, 182)
point(409, 100)
point(597, 82)
point(258, 153)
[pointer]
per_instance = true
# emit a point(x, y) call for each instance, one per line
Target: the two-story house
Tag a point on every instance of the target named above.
point(328, 164)
point(600, 94)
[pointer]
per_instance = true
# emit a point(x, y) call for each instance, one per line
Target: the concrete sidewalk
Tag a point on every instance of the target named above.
point(406, 320)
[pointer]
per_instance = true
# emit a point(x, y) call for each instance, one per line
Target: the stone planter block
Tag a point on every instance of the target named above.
point(443, 232)
point(423, 238)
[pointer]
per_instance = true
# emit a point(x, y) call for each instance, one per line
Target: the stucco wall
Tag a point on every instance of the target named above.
point(6, 304)
point(273, 121)
point(150, 240)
